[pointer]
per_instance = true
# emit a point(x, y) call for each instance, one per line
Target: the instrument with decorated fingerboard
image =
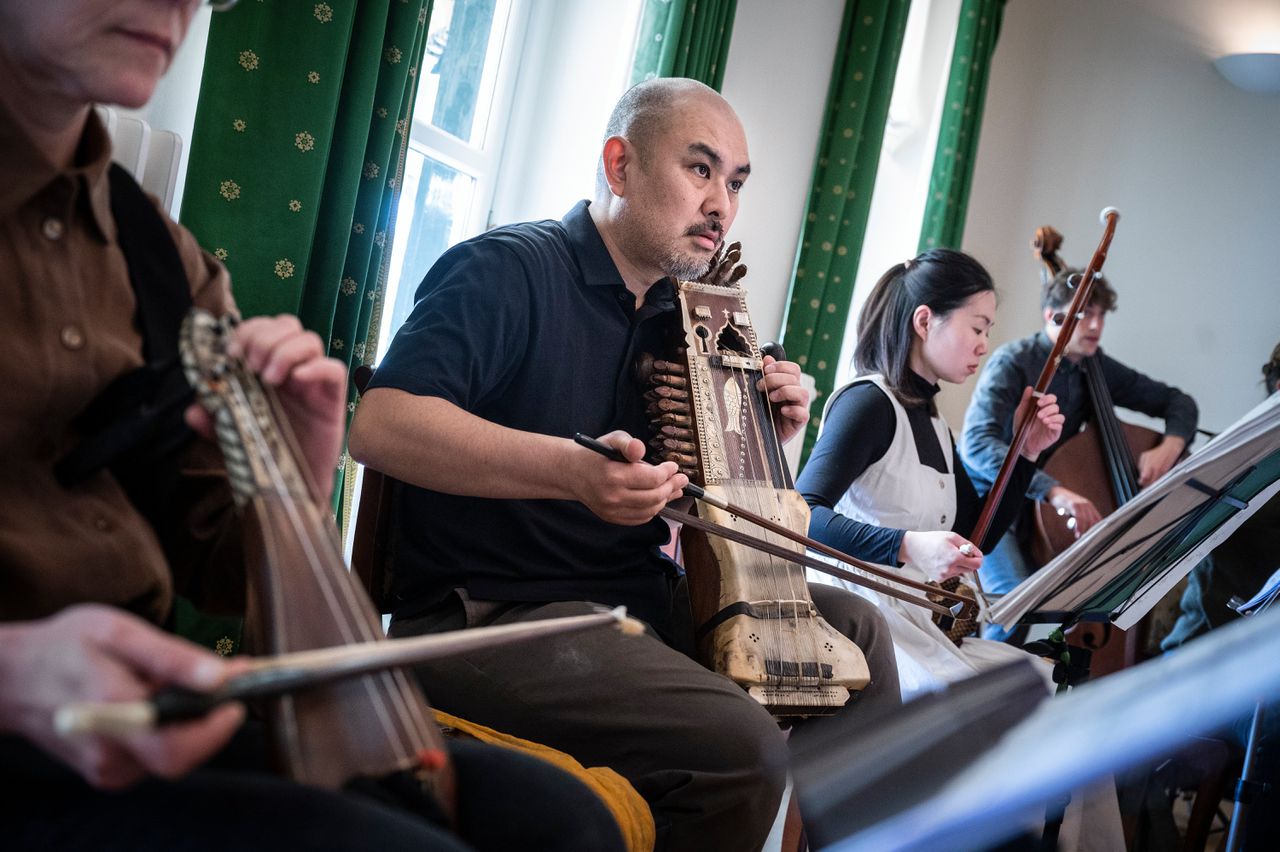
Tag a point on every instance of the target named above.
point(753, 615)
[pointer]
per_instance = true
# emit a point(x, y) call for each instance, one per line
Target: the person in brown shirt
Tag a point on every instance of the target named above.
point(85, 574)
point(68, 313)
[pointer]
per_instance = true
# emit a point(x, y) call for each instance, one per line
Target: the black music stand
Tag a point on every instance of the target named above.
point(901, 756)
point(1116, 572)
point(1127, 562)
point(1249, 785)
point(1105, 726)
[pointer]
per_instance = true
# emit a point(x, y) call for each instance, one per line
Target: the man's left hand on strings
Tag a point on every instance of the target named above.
point(789, 399)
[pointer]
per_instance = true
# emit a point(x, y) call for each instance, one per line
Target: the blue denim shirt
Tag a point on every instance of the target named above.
point(988, 424)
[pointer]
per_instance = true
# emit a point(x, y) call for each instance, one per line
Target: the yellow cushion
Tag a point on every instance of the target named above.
point(631, 811)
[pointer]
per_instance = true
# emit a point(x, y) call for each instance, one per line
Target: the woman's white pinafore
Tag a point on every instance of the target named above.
point(900, 492)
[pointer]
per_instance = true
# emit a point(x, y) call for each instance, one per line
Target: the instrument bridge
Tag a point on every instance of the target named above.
point(739, 362)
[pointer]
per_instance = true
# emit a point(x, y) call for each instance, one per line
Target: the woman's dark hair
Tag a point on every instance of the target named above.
point(943, 279)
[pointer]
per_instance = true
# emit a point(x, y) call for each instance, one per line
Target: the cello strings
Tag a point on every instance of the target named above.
point(1117, 449)
point(1114, 449)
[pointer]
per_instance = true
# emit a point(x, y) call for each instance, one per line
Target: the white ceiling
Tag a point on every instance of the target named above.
point(1220, 26)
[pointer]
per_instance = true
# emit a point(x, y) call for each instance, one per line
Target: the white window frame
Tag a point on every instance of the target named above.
point(479, 162)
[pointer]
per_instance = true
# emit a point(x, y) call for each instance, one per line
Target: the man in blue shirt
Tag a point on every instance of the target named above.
point(519, 339)
point(988, 424)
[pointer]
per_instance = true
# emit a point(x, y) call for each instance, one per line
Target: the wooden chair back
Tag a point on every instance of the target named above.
point(372, 542)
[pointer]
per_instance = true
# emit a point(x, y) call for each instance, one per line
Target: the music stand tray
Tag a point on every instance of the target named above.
point(1127, 562)
point(1104, 726)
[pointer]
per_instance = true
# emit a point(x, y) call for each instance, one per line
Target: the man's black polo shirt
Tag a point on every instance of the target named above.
point(529, 326)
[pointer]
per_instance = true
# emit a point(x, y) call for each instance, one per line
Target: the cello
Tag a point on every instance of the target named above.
point(1098, 461)
point(1083, 290)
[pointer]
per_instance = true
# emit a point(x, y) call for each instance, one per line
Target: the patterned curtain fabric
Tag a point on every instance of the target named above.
point(953, 160)
point(684, 38)
point(299, 143)
point(848, 156)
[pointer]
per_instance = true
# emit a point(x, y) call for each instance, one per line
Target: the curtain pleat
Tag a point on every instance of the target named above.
point(684, 38)
point(957, 149)
point(840, 197)
point(299, 140)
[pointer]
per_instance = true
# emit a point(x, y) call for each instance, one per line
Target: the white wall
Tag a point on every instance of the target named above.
point(776, 78)
point(575, 63)
point(173, 106)
point(1098, 103)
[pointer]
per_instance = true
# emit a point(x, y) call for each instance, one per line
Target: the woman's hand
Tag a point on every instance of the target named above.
point(940, 554)
point(312, 389)
point(96, 653)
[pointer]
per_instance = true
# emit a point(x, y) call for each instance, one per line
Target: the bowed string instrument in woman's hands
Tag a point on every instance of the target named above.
point(340, 707)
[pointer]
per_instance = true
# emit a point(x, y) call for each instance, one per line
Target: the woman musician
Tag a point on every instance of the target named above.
point(884, 482)
point(88, 577)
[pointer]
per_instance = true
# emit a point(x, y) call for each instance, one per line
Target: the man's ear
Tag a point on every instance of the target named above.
point(920, 318)
point(616, 158)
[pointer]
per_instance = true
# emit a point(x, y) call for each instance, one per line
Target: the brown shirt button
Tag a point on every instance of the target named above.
point(72, 337)
point(53, 228)
point(103, 524)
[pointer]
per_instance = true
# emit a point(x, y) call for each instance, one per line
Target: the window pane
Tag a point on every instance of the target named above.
point(463, 44)
point(432, 216)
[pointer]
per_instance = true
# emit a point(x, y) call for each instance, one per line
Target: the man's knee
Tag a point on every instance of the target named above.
point(732, 748)
point(749, 743)
point(850, 614)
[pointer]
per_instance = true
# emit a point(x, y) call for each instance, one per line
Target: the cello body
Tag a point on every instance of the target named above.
point(1080, 465)
point(753, 616)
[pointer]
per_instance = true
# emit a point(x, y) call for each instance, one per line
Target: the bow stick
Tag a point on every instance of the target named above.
point(283, 673)
point(700, 493)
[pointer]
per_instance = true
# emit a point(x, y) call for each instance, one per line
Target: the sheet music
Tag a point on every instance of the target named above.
point(1269, 592)
point(1085, 570)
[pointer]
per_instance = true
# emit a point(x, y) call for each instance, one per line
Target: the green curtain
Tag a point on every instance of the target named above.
point(684, 38)
point(299, 144)
point(843, 178)
point(957, 150)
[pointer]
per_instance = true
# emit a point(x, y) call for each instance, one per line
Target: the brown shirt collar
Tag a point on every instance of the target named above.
point(25, 170)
